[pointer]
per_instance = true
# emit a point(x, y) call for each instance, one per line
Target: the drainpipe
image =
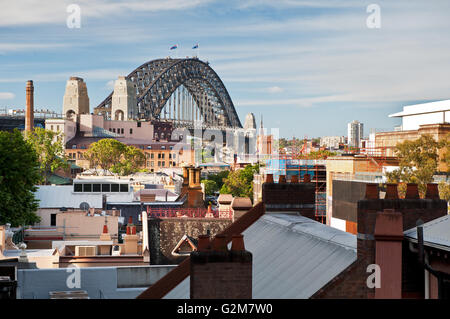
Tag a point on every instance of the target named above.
point(441, 276)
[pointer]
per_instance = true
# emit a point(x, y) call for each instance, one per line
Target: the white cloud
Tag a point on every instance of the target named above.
point(275, 89)
point(16, 47)
point(30, 12)
point(7, 96)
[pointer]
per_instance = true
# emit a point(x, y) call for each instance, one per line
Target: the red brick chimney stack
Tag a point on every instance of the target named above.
point(282, 179)
point(29, 112)
point(294, 179)
point(388, 253)
point(219, 273)
point(105, 229)
point(269, 178)
point(306, 178)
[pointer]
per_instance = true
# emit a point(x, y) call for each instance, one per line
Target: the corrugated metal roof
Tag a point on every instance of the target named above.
point(435, 233)
point(293, 256)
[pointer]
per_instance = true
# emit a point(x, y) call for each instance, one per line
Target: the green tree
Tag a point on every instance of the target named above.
point(210, 186)
point(110, 154)
point(131, 160)
point(19, 173)
point(105, 153)
point(240, 183)
point(49, 147)
point(418, 162)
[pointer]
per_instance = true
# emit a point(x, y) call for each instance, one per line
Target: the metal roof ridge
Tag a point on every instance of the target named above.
point(337, 232)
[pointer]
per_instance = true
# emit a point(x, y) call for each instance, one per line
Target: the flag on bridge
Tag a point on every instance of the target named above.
point(195, 46)
point(174, 47)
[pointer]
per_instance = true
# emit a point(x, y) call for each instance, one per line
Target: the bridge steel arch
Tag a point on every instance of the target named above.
point(155, 81)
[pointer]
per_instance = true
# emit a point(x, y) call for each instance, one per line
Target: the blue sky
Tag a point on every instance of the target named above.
point(309, 67)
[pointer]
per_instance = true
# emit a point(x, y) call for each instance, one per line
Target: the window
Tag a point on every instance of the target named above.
point(174, 164)
point(51, 127)
point(171, 147)
point(122, 130)
point(124, 188)
point(106, 188)
point(87, 188)
point(170, 156)
point(149, 147)
point(152, 156)
point(163, 147)
point(174, 155)
point(162, 155)
point(163, 163)
point(77, 188)
point(159, 163)
point(114, 130)
point(159, 155)
point(152, 163)
point(138, 124)
point(52, 219)
point(96, 188)
point(131, 131)
point(114, 187)
point(57, 127)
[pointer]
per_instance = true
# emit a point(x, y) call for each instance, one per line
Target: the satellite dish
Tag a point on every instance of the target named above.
point(84, 206)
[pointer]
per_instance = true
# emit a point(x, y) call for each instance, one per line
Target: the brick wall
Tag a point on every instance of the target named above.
point(172, 229)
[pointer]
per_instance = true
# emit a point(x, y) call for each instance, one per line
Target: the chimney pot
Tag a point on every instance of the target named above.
point(269, 178)
point(282, 179)
point(306, 178)
point(294, 179)
point(432, 191)
point(130, 220)
point(105, 229)
point(391, 191)
point(412, 191)
point(237, 243)
point(204, 243)
point(372, 191)
point(219, 243)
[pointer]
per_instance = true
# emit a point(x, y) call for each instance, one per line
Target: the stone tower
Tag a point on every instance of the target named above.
point(76, 100)
point(123, 105)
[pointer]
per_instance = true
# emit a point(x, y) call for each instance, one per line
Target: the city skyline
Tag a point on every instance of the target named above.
point(296, 63)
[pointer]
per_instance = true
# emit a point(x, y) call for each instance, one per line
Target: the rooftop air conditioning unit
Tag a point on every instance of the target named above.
point(85, 251)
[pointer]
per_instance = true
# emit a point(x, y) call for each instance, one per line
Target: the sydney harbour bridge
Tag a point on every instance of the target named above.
point(182, 91)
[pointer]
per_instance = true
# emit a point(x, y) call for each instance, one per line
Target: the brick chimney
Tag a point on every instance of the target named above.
point(219, 273)
point(388, 253)
point(194, 189)
point(154, 236)
point(290, 196)
point(131, 239)
point(372, 224)
point(380, 227)
point(29, 112)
